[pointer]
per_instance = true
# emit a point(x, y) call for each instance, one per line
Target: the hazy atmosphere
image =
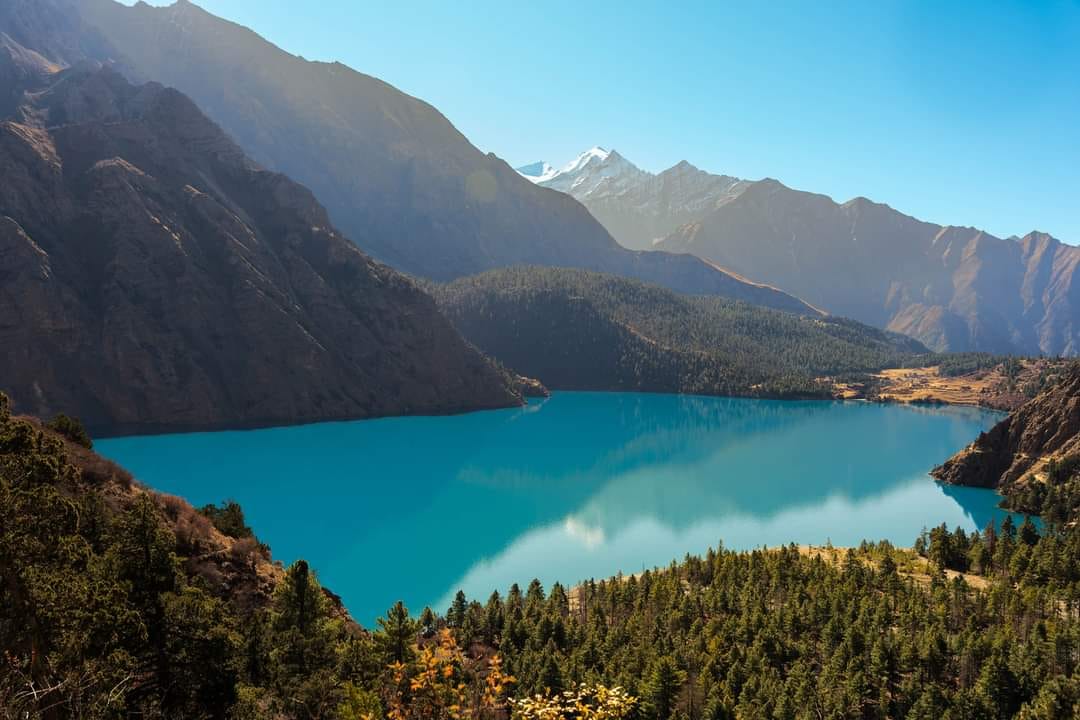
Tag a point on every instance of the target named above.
point(966, 113)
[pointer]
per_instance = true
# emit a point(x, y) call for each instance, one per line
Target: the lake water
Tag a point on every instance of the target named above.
point(576, 486)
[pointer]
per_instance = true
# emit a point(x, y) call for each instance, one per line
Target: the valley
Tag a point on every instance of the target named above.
point(313, 407)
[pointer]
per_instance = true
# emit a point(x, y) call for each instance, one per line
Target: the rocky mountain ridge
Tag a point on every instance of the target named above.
point(953, 288)
point(637, 207)
point(153, 278)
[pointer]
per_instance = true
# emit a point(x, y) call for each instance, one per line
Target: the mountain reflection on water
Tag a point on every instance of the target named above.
point(576, 486)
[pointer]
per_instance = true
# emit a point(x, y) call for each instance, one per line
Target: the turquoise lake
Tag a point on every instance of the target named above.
point(577, 486)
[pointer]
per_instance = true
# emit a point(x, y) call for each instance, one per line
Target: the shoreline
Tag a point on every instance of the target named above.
point(129, 431)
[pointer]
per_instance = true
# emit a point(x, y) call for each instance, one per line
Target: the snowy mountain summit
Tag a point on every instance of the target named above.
point(594, 171)
point(637, 207)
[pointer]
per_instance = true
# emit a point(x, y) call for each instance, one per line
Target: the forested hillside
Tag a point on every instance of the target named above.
point(118, 602)
point(576, 329)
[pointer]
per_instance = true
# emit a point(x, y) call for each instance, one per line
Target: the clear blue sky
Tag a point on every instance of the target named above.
point(960, 112)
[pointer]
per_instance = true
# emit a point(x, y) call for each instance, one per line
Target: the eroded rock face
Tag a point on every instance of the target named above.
point(1046, 427)
point(154, 278)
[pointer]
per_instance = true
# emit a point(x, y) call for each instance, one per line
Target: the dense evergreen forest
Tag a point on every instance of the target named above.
point(576, 330)
point(116, 602)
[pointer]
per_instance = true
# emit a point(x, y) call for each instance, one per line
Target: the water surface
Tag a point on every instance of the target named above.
point(577, 486)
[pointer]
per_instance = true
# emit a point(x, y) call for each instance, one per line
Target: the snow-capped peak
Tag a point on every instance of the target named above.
point(594, 171)
point(542, 172)
point(597, 154)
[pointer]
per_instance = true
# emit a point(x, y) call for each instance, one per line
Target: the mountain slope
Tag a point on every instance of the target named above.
point(396, 176)
point(953, 288)
point(579, 330)
point(118, 601)
point(153, 278)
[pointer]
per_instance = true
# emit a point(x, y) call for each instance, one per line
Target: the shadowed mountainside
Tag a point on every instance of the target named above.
point(152, 277)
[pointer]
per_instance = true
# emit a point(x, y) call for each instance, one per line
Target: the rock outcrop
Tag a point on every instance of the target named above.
point(1046, 428)
point(153, 278)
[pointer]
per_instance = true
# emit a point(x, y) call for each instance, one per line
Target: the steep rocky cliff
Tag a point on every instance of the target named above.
point(152, 277)
point(1018, 450)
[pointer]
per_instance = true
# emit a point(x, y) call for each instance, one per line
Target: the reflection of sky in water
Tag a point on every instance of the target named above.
point(581, 485)
point(572, 550)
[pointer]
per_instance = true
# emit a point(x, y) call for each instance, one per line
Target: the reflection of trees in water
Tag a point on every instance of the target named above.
point(969, 413)
point(605, 460)
point(524, 469)
point(583, 437)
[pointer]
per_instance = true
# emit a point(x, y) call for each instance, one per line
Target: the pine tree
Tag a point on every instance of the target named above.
point(396, 635)
point(455, 616)
point(493, 618)
point(304, 640)
point(1029, 534)
point(662, 689)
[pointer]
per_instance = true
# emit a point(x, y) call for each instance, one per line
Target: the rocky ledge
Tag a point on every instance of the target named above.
point(1016, 450)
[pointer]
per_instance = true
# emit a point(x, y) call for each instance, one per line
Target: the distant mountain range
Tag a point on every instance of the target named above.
point(154, 278)
point(395, 175)
point(953, 288)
